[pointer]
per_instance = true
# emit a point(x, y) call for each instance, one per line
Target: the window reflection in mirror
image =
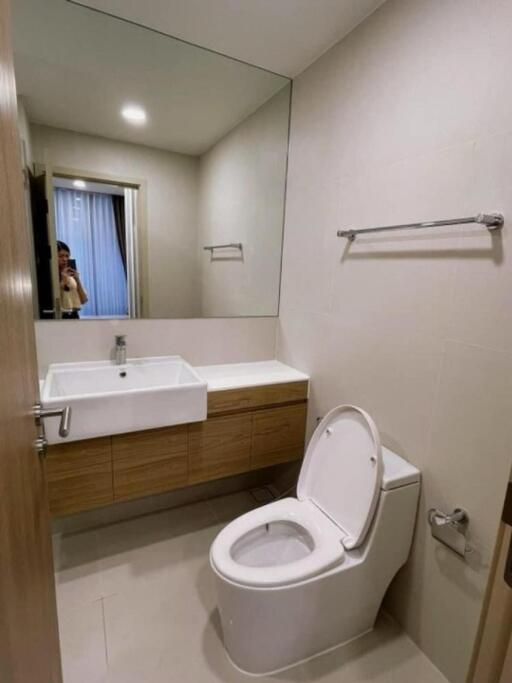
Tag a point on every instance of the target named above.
point(141, 150)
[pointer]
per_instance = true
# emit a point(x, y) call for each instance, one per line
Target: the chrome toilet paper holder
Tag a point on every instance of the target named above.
point(450, 529)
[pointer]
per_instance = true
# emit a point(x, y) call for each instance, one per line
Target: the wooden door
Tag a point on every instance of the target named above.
point(492, 657)
point(29, 646)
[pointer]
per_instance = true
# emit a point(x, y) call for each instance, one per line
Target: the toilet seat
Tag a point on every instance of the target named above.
point(342, 471)
point(294, 539)
point(303, 518)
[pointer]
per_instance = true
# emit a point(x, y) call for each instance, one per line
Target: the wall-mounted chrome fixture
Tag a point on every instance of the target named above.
point(120, 350)
point(493, 221)
point(231, 245)
point(450, 529)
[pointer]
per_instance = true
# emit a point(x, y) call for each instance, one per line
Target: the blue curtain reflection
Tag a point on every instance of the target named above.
point(85, 222)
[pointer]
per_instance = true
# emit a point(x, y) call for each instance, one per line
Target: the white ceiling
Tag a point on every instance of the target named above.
point(76, 68)
point(285, 36)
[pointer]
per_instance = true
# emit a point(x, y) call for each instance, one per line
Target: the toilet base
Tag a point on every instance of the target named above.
point(268, 629)
point(271, 630)
point(301, 661)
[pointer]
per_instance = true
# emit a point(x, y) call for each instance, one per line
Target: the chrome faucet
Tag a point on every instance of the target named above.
point(120, 358)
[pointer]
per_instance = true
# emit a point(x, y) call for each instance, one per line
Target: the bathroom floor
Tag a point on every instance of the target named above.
point(136, 604)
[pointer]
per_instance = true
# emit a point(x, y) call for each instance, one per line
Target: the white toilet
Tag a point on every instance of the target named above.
point(302, 575)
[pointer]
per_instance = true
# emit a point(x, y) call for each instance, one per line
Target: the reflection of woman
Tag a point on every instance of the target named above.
point(72, 295)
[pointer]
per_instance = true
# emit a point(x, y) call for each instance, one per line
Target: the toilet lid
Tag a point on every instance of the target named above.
point(342, 471)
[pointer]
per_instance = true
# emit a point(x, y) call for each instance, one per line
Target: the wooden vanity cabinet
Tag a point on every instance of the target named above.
point(278, 435)
point(247, 398)
point(151, 461)
point(219, 447)
point(246, 429)
point(79, 475)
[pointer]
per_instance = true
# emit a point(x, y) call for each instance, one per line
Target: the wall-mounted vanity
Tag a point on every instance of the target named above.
point(256, 417)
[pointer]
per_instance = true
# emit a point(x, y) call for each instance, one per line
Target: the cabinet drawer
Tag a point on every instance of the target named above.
point(135, 480)
point(149, 446)
point(278, 435)
point(150, 462)
point(69, 459)
point(232, 400)
point(79, 492)
point(79, 475)
point(219, 447)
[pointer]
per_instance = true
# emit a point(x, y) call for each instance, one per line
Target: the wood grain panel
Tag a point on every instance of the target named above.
point(219, 447)
point(77, 457)
point(90, 489)
point(150, 462)
point(278, 435)
point(29, 641)
point(149, 446)
point(134, 481)
point(79, 475)
point(158, 460)
point(247, 398)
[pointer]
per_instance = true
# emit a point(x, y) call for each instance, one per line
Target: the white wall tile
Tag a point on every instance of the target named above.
point(407, 119)
point(199, 341)
point(241, 199)
point(467, 465)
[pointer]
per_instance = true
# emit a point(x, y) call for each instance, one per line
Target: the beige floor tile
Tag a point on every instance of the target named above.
point(154, 548)
point(157, 629)
point(386, 655)
point(78, 577)
point(173, 638)
point(227, 508)
point(82, 641)
point(160, 624)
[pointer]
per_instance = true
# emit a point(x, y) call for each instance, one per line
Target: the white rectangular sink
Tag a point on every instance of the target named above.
point(143, 393)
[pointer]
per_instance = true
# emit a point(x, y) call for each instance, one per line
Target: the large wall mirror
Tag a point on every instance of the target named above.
point(155, 170)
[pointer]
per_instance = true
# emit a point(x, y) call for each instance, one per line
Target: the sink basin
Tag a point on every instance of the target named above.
point(143, 393)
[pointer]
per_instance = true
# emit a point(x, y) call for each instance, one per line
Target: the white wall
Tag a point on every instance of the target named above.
point(200, 342)
point(409, 119)
point(241, 199)
point(171, 208)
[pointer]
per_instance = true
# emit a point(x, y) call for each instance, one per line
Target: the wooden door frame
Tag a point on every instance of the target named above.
point(493, 643)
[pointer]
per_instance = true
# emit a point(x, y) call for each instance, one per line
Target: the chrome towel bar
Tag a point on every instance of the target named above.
point(493, 221)
point(231, 245)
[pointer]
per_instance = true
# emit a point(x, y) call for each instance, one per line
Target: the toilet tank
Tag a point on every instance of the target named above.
point(397, 471)
point(389, 542)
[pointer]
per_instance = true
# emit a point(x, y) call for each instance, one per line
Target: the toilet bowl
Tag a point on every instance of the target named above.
point(300, 576)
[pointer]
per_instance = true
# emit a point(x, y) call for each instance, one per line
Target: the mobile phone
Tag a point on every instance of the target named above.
point(72, 263)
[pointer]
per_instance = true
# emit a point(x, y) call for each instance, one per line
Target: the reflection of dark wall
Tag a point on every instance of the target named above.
point(39, 207)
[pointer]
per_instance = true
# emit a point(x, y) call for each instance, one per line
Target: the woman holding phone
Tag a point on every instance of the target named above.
point(72, 294)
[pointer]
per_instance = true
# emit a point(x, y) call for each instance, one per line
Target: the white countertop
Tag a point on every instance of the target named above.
point(235, 375)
